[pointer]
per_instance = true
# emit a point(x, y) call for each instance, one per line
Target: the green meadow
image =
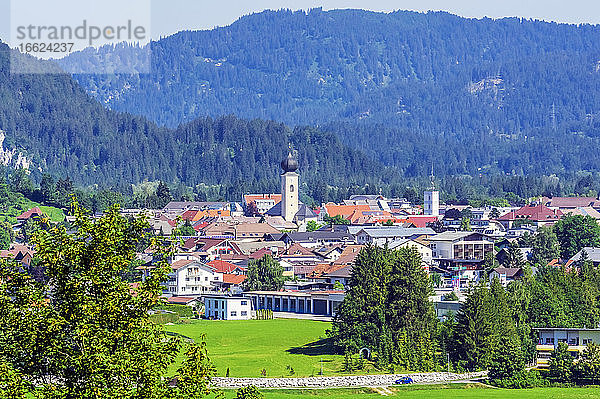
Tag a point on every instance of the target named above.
point(277, 346)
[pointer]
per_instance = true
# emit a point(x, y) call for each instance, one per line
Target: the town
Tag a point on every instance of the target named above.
point(313, 251)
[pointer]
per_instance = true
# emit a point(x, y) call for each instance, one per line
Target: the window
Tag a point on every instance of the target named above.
point(244, 303)
point(233, 313)
point(291, 188)
point(244, 313)
point(205, 278)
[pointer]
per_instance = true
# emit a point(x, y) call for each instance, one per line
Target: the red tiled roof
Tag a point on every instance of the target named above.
point(223, 267)
point(297, 249)
point(253, 197)
point(35, 211)
point(189, 215)
point(233, 279)
point(536, 213)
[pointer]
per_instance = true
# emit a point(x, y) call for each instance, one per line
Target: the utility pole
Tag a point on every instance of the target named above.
point(448, 362)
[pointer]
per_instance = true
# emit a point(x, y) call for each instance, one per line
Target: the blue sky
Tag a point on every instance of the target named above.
point(170, 16)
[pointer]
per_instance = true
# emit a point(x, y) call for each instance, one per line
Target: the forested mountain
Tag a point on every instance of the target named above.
point(509, 95)
point(57, 128)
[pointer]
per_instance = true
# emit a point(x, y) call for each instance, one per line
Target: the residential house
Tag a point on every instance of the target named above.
point(506, 275)
point(593, 255)
point(577, 340)
point(263, 202)
point(421, 246)
point(227, 307)
point(191, 277)
point(342, 275)
point(461, 253)
point(537, 215)
point(243, 231)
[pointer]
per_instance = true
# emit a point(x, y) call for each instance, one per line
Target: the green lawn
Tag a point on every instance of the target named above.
point(246, 347)
point(22, 204)
point(435, 392)
point(55, 214)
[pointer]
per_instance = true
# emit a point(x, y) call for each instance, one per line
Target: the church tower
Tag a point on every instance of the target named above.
point(289, 188)
point(431, 204)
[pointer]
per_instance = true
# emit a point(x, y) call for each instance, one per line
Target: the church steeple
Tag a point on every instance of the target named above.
point(289, 187)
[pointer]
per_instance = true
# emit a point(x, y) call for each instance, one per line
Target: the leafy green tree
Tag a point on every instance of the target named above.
point(185, 230)
point(85, 333)
point(545, 246)
point(494, 213)
point(48, 188)
point(250, 392)
point(264, 274)
point(575, 232)
point(6, 235)
point(338, 286)
point(561, 364)
point(587, 368)
point(12, 383)
point(163, 194)
point(514, 256)
point(312, 226)
point(360, 319)
point(386, 309)
point(483, 320)
point(465, 224)
point(507, 360)
point(337, 219)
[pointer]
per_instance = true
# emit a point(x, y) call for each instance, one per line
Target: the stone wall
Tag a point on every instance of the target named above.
point(343, 381)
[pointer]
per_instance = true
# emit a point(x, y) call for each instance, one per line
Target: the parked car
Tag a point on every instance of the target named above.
point(404, 380)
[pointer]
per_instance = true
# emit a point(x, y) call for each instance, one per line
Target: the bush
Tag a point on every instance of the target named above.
point(522, 379)
point(250, 392)
point(181, 310)
point(164, 318)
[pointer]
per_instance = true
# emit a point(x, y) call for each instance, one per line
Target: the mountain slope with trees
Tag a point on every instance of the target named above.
point(54, 124)
point(503, 96)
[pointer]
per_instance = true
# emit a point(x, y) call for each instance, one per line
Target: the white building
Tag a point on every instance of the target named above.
point(227, 307)
point(431, 204)
point(289, 188)
point(191, 277)
point(423, 250)
point(576, 340)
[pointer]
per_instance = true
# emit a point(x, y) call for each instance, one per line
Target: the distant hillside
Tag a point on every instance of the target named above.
point(51, 125)
point(481, 87)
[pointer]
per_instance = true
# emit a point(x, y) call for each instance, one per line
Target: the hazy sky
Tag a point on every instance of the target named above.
point(170, 16)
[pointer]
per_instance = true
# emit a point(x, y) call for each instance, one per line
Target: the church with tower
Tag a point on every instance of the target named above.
point(291, 208)
point(431, 203)
point(289, 188)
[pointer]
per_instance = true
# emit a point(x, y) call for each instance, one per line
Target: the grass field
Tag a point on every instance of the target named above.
point(246, 347)
point(435, 392)
point(55, 214)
